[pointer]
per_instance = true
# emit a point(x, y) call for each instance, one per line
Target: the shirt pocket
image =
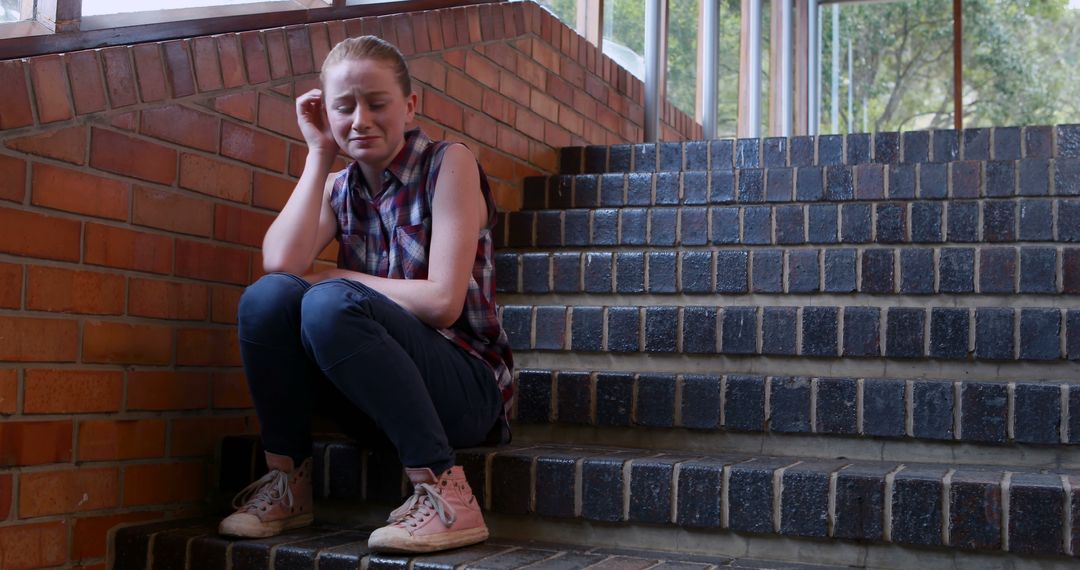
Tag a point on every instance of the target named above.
point(352, 254)
point(410, 250)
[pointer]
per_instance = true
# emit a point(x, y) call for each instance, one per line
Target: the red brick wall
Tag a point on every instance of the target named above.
point(135, 186)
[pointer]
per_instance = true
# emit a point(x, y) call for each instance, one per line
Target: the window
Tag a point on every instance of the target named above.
point(99, 7)
point(624, 34)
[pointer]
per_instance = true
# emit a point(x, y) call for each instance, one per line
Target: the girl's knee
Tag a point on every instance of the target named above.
point(270, 296)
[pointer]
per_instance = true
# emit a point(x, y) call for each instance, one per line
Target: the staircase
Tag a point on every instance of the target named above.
point(844, 351)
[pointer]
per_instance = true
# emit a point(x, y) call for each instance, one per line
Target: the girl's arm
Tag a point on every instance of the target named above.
point(458, 213)
point(306, 223)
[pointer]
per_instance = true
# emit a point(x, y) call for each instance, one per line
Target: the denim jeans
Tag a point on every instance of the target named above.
point(425, 393)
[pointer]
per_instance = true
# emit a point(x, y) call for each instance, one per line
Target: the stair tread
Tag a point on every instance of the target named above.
point(196, 542)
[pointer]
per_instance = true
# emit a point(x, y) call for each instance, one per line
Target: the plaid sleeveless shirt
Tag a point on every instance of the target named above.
point(389, 236)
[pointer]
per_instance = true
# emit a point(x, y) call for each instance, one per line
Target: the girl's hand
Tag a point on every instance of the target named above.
point(314, 124)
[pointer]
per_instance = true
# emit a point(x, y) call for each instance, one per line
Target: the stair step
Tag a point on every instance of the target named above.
point(914, 147)
point(909, 271)
point(1003, 221)
point(861, 183)
point(892, 408)
point(194, 543)
point(749, 330)
point(961, 506)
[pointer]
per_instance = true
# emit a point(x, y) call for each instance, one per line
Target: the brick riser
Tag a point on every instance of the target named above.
point(914, 147)
point(195, 544)
point(890, 502)
point(925, 410)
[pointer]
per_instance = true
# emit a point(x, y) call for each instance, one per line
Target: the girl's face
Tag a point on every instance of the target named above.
point(367, 110)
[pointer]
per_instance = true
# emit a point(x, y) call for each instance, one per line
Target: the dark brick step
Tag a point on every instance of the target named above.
point(967, 179)
point(916, 409)
point(915, 147)
point(956, 222)
point(1003, 270)
point(826, 332)
point(906, 504)
point(194, 544)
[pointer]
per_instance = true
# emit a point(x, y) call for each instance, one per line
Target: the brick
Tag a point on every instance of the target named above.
point(721, 186)
point(975, 510)
point(534, 396)
point(195, 436)
point(224, 304)
point(994, 333)
point(1036, 220)
point(926, 222)
point(862, 326)
point(119, 76)
point(984, 412)
point(836, 406)
point(768, 271)
point(34, 545)
point(747, 153)
point(822, 223)
point(751, 185)
point(67, 144)
point(90, 534)
point(51, 93)
point(694, 226)
point(803, 271)
point(623, 329)
point(856, 225)
point(725, 225)
point(1036, 514)
point(963, 221)
point(67, 491)
point(819, 331)
point(789, 404)
point(789, 225)
point(1034, 177)
point(555, 480)
point(614, 399)
point(949, 332)
point(699, 484)
point(808, 183)
point(207, 347)
point(25, 339)
point(1040, 333)
point(253, 147)
point(661, 329)
point(917, 271)
point(1072, 339)
point(150, 390)
point(109, 342)
point(830, 149)
point(917, 506)
point(62, 290)
point(112, 152)
point(904, 332)
point(886, 147)
point(883, 407)
point(78, 192)
point(891, 223)
point(739, 330)
point(700, 402)
point(869, 181)
point(1068, 220)
point(210, 262)
point(757, 225)
point(178, 68)
point(838, 183)
point(860, 496)
point(160, 483)
point(167, 299)
point(103, 440)
point(933, 181)
point(172, 211)
point(16, 99)
point(37, 235)
point(238, 225)
point(12, 179)
point(840, 270)
point(699, 330)
point(127, 249)
point(659, 391)
point(779, 185)
point(204, 52)
point(778, 328)
point(1037, 413)
point(731, 271)
point(602, 487)
point(999, 221)
point(151, 73)
point(750, 496)
point(29, 443)
point(804, 498)
point(650, 490)
point(902, 181)
point(877, 271)
point(976, 144)
point(956, 270)
point(997, 270)
point(662, 226)
point(744, 403)
point(9, 396)
point(1000, 178)
point(181, 125)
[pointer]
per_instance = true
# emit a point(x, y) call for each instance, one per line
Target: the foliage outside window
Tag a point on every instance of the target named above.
point(565, 10)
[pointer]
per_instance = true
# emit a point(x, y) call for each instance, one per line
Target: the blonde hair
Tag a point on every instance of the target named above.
point(369, 47)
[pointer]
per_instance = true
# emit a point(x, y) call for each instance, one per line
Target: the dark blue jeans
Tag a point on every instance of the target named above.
point(427, 395)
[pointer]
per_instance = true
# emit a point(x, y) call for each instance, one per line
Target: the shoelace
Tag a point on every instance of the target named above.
point(425, 499)
point(270, 488)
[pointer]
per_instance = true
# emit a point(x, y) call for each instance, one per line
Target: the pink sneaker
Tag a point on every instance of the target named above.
point(441, 514)
point(279, 501)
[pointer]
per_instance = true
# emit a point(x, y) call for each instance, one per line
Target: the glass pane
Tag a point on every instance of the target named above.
point(624, 34)
point(1020, 62)
point(682, 53)
point(99, 7)
point(565, 10)
point(727, 94)
point(9, 10)
point(886, 66)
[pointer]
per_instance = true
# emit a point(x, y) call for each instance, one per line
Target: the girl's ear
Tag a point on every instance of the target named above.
point(410, 107)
